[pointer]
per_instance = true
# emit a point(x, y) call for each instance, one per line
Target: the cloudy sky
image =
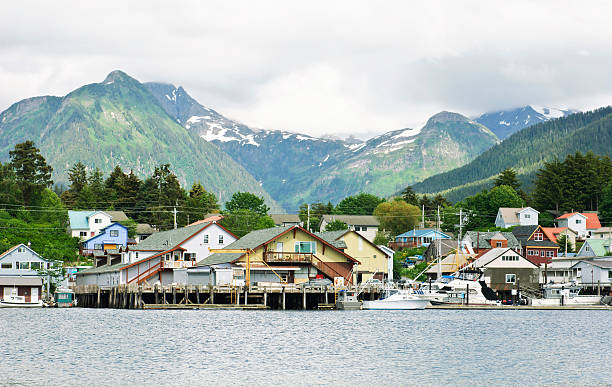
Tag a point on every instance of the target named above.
point(319, 67)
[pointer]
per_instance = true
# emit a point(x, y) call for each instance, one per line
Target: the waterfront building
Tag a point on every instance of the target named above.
point(289, 255)
point(28, 287)
point(595, 272)
point(111, 237)
point(535, 244)
point(20, 266)
point(163, 257)
point(373, 260)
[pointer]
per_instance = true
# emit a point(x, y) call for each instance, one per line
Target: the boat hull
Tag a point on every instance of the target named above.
point(8, 304)
point(396, 304)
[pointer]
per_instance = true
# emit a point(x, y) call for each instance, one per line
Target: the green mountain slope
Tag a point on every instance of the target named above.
point(526, 151)
point(119, 122)
point(388, 163)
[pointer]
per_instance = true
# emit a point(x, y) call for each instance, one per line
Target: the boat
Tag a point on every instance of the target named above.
point(347, 300)
point(564, 294)
point(15, 301)
point(465, 288)
point(397, 299)
point(64, 298)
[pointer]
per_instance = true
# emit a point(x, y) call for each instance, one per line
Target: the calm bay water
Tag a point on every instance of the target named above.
point(123, 347)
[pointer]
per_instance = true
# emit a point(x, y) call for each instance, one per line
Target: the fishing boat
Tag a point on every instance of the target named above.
point(466, 288)
point(15, 301)
point(347, 300)
point(397, 299)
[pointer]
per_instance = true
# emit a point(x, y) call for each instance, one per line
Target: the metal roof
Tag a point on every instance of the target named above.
point(484, 237)
point(166, 240)
point(358, 220)
point(332, 237)
point(103, 269)
point(20, 281)
point(419, 233)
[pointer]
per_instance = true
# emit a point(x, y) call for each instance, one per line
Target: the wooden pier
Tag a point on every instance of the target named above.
point(213, 297)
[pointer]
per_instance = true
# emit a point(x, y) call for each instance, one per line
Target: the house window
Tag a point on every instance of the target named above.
point(609, 274)
point(24, 265)
point(137, 255)
point(550, 254)
point(206, 238)
point(221, 239)
point(35, 265)
point(510, 278)
point(578, 221)
point(498, 244)
point(542, 253)
point(190, 256)
point(98, 246)
point(527, 216)
point(21, 249)
point(97, 220)
point(538, 236)
point(7, 266)
point(364, 228)
point(114, 233)
point(306, 247)
point(586, 248)
point(83, 233)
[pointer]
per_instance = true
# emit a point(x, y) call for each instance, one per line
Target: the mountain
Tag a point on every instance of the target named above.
point(297, 168)
point(526, 151)
point(119, 122)
point(506, 122)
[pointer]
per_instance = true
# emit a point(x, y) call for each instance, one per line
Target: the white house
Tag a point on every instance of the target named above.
point(595, 272)
point(582, 223)
point(365, 225)
point(508, 217)
point(85, 224)
point(161, 257)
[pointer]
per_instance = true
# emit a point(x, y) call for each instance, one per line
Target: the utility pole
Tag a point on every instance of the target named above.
point(174, 217)
point(460, 222)
point(423, 221)
point(308, 219)
point(438, 247)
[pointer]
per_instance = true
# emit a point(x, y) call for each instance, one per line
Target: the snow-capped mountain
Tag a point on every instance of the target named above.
point(504, 123)
point(296, 168)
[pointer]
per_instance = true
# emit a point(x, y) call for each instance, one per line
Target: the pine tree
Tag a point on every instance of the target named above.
point(32, 173)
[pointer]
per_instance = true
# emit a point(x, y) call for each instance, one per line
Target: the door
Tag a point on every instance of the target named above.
point(34, 297)
point(7, 293)
point(279, 250)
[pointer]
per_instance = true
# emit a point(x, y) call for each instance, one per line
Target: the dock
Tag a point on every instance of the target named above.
point(519, 307)
point(279, 297)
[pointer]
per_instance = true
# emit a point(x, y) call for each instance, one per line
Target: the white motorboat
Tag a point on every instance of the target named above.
point(565, 294)
point(466, 290)
point(397, 299)
point(15, 301)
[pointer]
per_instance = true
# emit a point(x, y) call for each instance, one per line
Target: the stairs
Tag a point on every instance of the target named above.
point(330, 271)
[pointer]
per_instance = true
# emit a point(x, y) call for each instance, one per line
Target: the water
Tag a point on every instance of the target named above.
point(133, 347)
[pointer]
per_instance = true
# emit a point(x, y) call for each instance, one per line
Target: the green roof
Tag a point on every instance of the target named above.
point(249, 241)
point(599, 246)
point(103, 269)
point(166, 240)
point(331, 237)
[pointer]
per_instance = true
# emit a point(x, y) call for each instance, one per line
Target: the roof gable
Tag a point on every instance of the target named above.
point(598, 246)
point(351, 220)
point(480, 239)
point(7, 252)
point(422, 233)
point(80, 219)
point(166, 240)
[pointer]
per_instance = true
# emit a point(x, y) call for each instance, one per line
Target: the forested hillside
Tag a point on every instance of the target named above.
point(526, 151)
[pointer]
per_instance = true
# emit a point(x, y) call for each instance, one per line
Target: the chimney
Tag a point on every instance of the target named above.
point(29, 244)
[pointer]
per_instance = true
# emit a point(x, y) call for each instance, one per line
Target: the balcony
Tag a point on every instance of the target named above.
point(178, 264)
point(271, 256)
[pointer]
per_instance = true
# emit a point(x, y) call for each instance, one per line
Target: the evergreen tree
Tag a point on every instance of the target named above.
point(77, 175)
point(362, 204)
point(336, 225)
point(605, 206)
point(32, 173)
point(199, 203)
point(507, 177)
point(410, 196)
point(317, 210)
point(247, 201)
point(96, 184)
point(10, 192)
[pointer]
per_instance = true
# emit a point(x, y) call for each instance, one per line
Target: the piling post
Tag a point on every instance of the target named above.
point(284, 298)
point(173, 294)
point(163, 294)
point(246, 295)
point(212, 295)
point(599, 287)
point(198, 294)
point(304, 298)
point(238, 291)
point(326, 296)
point(139, 297)
point(467, 294)
point(265, 297)
point(125, 296)
point(156, 293)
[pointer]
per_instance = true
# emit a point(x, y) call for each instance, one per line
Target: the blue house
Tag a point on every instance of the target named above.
point(417, 238)
point(110, 237)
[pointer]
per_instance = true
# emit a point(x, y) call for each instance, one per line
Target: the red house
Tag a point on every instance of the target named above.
point(535, 244)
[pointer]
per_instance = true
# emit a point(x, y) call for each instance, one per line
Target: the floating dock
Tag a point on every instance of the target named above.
point(519, 307)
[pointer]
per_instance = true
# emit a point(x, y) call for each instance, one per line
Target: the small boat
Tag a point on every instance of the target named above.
point(347, 300)
point(565, 294)
point(15, 301)
point(465, 288)
point(64, 298)
point(397, 299)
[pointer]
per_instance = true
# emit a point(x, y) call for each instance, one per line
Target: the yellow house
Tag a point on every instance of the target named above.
point(288, 254)
point(373, 262)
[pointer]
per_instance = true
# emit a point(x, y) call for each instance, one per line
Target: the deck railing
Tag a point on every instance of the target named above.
point(178, 264)
point(272, 256)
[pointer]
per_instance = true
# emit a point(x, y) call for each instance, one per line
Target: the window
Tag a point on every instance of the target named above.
point(609, 274)
point(137, 255)
point(578, 221)
point(550, 254)
point(364, 228)
point(98, 246)
point(538, 236)
point(510, 278)
point(190, 256)
point(7, 266)
point(114, 233)
point(306, 247)
point(21, 249)
point(579, 272)
point(35, 265)
point(221, 239)
point(527, 216)
point(24, 265)
point(498, 244)
point(83, 233)
point(542, 253)
point(586, 248)
point(206, 238)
